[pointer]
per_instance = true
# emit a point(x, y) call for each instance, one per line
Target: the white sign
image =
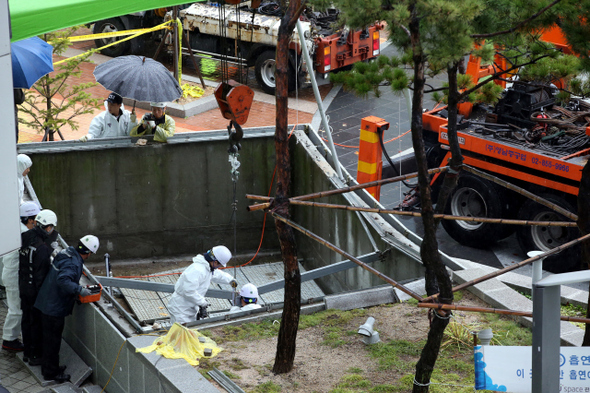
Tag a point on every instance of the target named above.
point(445, 136)
point(509, 369)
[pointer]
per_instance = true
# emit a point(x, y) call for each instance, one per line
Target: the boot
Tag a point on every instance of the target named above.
point(13, 346)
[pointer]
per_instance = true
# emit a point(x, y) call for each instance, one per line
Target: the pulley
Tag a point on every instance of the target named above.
point(234, 101)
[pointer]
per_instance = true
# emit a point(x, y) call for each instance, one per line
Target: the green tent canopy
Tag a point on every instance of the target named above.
point(29, 18)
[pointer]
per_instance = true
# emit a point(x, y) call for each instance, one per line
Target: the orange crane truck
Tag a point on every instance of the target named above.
point(527, 140)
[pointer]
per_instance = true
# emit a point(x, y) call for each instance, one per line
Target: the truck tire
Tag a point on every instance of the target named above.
point(531, 238)
point(110, 26)
point(264, 69)
point(475, 197)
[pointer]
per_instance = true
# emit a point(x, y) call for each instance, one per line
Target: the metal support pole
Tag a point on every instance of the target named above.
point(546, 332)
point(318, 98)
point(107, 263)
point(537, 266)
point(175, 40)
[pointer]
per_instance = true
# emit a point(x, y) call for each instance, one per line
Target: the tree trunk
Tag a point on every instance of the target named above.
point(435, 272)
point(285, 355)
point(584, 225)
point(452, 175)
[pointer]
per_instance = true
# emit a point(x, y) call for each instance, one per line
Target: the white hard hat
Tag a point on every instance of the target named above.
point(90, 242)
point(221, 254)
point(28, 209)
point(250, 291)
point(158, 104)
point(46, 217)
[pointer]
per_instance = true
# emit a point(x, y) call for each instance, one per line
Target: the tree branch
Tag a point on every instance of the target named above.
point(518, 26)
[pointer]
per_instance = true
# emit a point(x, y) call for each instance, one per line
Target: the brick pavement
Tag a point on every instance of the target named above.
point(13, 375)
point(262, 112)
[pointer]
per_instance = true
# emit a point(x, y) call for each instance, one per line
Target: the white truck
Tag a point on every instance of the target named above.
point(251, 37)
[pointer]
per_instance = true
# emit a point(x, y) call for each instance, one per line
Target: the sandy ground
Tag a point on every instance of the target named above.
point(320, 368)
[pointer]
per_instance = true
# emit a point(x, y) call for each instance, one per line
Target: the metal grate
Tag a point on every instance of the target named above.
point(149, 306)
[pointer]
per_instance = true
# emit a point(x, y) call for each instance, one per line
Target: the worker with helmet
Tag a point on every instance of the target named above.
point(23, 167)
point(56, 301)
point(188, 298)
point(156, 123)
point(248, 299)
point(114, 122)
point(34, 262)
point(12, 323)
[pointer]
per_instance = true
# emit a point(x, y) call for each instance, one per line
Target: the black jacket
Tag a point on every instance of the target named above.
point(61, 287)
point(34, 259)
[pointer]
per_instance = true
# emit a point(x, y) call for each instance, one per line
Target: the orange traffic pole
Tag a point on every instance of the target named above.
point(370, 164)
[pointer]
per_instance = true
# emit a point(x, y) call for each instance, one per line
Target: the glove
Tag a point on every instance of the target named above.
point(160, 135)
point(85, 292)
point(133, 117)
point(202, 312)
point(84, 138)
point(233, 283)
point(152, 124)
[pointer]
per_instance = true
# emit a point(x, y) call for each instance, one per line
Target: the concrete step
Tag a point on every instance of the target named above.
point(92, 389)
point(76, 367)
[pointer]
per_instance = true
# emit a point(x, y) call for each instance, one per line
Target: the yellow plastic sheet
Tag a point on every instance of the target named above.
point(183, 343)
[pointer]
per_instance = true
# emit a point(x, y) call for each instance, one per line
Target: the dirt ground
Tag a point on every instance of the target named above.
point(320, 368)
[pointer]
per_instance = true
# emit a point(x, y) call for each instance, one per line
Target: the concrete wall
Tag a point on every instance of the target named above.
point(101, 345)
point(158, 200)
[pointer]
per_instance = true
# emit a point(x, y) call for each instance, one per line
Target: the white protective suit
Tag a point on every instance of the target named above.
point(105, 125)
point(190, 289)
point(247, 307)
point(10, 278)
point(22, 163)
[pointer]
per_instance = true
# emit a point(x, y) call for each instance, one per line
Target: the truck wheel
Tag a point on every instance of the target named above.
point(544, 238)
point(110, 26)
point(474, 197)
point(264, 69)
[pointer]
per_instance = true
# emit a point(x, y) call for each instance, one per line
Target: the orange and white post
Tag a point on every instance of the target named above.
point(370, 164)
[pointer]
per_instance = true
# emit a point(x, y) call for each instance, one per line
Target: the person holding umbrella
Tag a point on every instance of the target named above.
point(114, 122)
point(156, 123)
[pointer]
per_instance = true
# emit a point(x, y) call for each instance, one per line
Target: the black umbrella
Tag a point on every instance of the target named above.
point(138, 78)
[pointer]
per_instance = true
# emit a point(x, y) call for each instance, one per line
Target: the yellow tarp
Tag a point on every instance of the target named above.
point(183, 343)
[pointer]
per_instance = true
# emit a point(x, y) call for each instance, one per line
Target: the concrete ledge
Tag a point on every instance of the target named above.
point(359, 299)
point(175, 375)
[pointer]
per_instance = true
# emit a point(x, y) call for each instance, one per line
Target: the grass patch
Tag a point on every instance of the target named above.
point(333, 337)
point(385, 388)
point(206, 365)
point(507, 331)
point(354, 381)
point(237, 364)
point(267, 387)
point(249, 331)
point(231, 375)
point(396, 355)
point(332, 317)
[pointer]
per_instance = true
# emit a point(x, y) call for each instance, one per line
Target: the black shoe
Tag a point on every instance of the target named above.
point(35, 361)
point(13, 346)
point(59, 378)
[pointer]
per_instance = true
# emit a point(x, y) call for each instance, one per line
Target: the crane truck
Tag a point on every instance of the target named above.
point(528, 140)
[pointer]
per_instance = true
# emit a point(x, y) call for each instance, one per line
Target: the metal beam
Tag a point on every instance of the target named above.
point(154, 286)
point(320, 272)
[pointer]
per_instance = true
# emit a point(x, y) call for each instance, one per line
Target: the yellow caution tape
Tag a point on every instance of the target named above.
point(122, 33)
point(155, 28)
